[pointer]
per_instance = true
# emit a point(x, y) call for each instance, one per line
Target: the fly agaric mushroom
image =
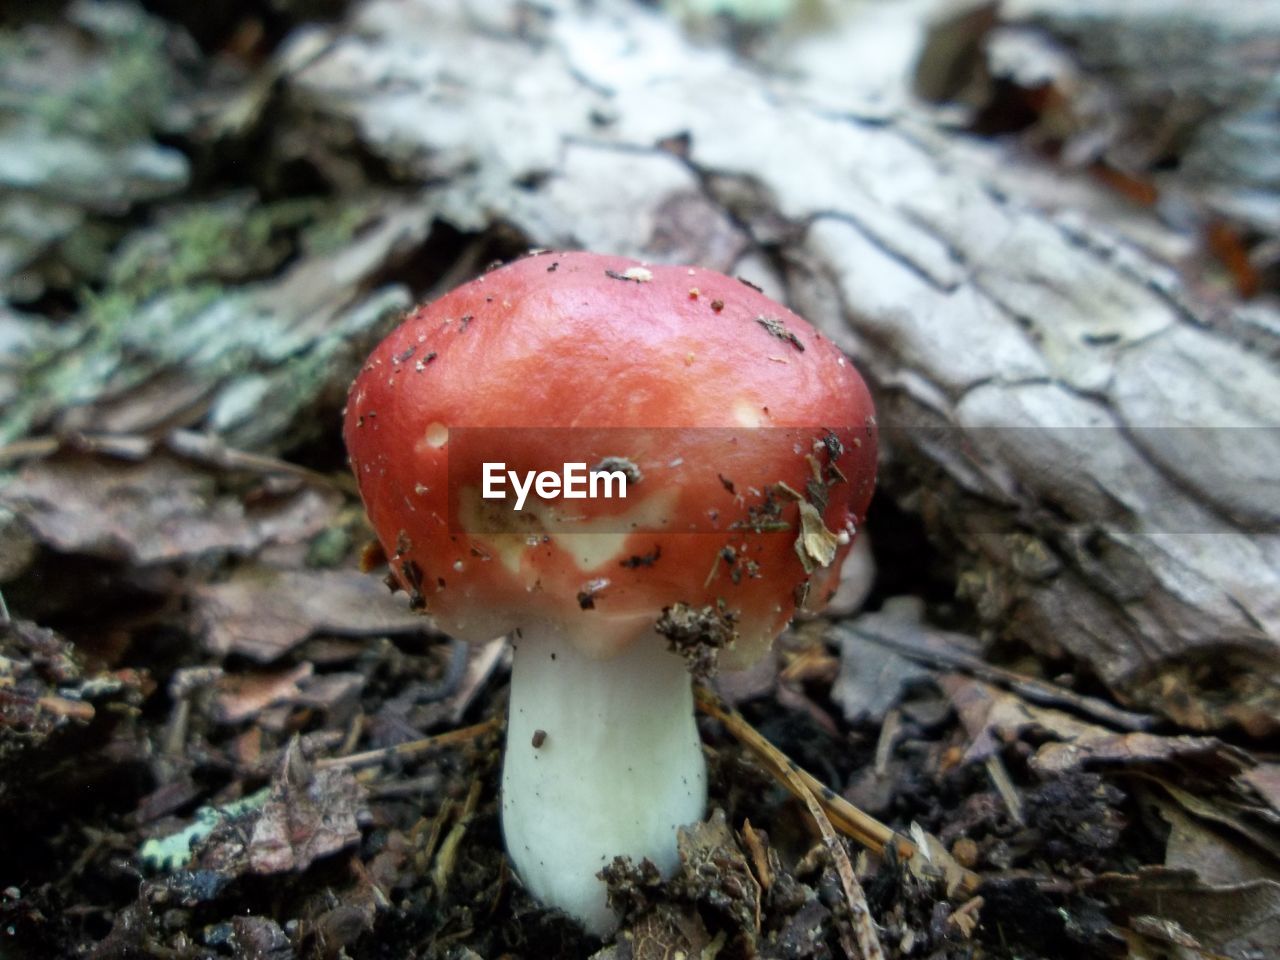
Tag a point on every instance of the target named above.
point(748, 445)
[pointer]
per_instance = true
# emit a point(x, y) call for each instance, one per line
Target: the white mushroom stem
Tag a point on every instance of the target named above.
point(617, 767)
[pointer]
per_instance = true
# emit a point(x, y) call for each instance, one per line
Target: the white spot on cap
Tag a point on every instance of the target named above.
point(747, 414)
point(437, 434)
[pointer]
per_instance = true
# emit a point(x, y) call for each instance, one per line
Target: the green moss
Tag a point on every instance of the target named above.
point(192, 296)
point(329, 548)
point(122, 98)
point(173, 852)
point(227, 241)
point(332, 233)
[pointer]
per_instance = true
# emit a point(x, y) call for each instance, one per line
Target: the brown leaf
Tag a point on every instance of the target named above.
point(1210, 853)
point(714, 871)
point(310, 813)
point(262, 613)
point(1241, 921)
point(302, 822)
point(160, 510)
point(993, 716)
point(241, 696)
point(1096, 748)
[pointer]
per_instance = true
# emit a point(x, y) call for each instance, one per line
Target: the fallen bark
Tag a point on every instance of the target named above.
point(1088, 436)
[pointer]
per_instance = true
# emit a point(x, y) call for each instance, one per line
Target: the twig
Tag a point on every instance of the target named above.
point(868, 944)
point(122, 446)
point(413, 748)
point(1004, 785)
point(850, 821)
point(866, 830)
point(864, 928)
point(1037, 691)
point(210, 448)
point(202, 447)
point(888, 734)
point(26, 449)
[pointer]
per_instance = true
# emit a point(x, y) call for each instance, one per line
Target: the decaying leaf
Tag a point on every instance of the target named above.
point(159, 510)
point(1224, 806)
point(665, 934)
point(816, 545)
point(714, 872)
point(1206, 757)
point(263, 613)
point(873, 677)
point(994, 717)
point(1210, 852)
point(306, 814)
point(1240, 921)
point(240, 696)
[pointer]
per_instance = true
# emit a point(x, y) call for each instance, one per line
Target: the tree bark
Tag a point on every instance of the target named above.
point(1088, 435)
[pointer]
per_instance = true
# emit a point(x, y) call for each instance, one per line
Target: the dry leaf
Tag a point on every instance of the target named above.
point(307, 814)
point(816, 545)
point(874, 678)
point(1240, 921)
point(160, 510)
point(1210, 853)
point(263, 613)
point(241, 696)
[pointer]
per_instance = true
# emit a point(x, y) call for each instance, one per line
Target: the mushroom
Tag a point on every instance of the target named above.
point(747, 445)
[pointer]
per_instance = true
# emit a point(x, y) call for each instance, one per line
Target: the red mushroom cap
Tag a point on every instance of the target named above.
point(749, 441)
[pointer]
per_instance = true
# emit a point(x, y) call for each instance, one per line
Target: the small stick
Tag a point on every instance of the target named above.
point(866, 830)
point(864, 928)
point(413, 748)
point(851, 821)
point(1004, 785)
point(868, 944)
point(1030, 688)
point(208, 449)
point(884, 746)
